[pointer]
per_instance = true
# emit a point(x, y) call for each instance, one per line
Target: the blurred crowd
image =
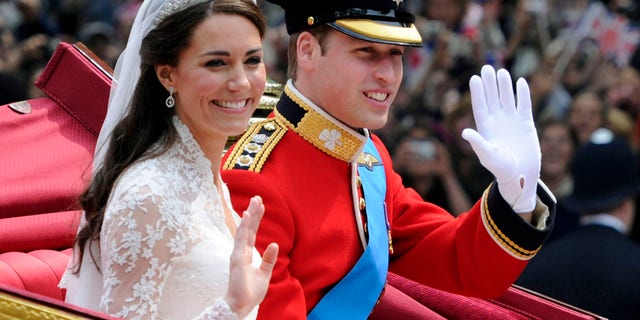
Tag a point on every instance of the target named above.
point(580, 58)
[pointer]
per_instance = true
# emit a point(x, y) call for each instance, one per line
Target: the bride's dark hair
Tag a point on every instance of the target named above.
point(148, 122)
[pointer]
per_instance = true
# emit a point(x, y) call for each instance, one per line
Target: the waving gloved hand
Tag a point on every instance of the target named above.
point(506, 141)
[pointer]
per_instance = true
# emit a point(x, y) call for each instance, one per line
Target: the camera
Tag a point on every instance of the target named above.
point(424, 149)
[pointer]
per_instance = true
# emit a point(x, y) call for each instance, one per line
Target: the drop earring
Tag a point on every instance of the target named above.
point(170, 102)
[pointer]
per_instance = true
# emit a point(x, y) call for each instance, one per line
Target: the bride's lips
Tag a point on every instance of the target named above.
point(228, 104)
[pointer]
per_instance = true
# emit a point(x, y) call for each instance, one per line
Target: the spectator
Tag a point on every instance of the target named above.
point(587, 113)
point(550, 99)
point(473, 176)
point(558, 144)
point(623, 93)
point(9, 54)
point(524, 38)
point(34, 20)
point(424, 163)
point(595, 267)
point(100, 38)
point(450, 54)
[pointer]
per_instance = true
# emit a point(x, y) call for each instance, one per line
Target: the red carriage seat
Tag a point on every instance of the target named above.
point(47, 147)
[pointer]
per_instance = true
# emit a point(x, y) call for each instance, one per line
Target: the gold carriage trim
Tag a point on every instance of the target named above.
point(254, 147)
point(507, 244)
point(323, 133)
point(14, 307)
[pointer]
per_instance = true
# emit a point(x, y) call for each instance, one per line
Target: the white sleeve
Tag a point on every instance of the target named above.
point(136, 243)
point(220, 310)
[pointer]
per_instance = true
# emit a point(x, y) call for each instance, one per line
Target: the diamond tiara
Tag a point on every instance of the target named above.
point(173, 6)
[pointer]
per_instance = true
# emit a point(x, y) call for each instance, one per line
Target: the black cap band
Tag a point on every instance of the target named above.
point(391, 21)
point(359, 13)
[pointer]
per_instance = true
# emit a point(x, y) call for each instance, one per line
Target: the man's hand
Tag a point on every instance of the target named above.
point(506, 141)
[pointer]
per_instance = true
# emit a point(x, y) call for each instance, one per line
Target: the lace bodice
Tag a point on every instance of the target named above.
point(165, 247)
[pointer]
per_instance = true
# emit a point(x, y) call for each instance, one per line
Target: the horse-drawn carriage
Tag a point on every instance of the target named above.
point(46, 148)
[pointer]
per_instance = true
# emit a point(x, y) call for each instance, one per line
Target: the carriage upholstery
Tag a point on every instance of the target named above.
point(47, 146)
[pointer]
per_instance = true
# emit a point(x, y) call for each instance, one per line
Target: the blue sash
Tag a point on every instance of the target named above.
point(357, 293)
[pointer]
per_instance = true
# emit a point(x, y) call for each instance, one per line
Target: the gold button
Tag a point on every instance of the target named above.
point(245, 160)
point(311, 21)
point(269, 126)
point(252, 147)
point(362, 204)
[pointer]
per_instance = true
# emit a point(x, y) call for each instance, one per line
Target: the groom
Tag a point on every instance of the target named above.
point(333, 203)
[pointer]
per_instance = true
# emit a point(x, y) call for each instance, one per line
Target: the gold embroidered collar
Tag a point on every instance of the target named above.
point(318, 127)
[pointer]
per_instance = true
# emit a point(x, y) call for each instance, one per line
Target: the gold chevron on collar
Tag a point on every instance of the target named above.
point(320, 130)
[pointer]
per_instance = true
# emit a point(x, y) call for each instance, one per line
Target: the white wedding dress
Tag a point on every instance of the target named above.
point(164, 243)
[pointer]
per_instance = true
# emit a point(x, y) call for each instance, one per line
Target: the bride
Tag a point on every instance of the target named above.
point(159, 237)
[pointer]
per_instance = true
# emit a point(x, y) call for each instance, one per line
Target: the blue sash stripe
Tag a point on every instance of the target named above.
point(357, 293)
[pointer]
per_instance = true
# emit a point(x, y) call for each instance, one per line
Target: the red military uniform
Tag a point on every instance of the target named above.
point(299, 162)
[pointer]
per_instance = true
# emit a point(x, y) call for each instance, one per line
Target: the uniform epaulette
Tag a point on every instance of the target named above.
point(254, 147)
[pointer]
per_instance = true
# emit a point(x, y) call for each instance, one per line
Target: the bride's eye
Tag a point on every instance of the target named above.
point(214, 63)
point(254, 60)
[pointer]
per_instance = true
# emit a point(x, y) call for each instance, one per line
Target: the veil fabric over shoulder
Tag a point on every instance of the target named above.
point(85, 288)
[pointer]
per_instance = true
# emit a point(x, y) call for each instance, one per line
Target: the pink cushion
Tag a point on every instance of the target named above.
point(55, 230)
point(515, 303)
point(46, 159)
point(47, 152)
point(544, 307)
point(37, 271)
point(395, 304)
point(454, 306)
point(47, 149)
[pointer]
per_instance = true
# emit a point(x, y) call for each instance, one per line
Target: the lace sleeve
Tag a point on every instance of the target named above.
point(218, 311)
point(138, 240)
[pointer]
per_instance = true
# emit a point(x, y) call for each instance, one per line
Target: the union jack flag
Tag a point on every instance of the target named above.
point(617, 37)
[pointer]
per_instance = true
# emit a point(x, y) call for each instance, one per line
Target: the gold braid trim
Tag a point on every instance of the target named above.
point(499, 236)
point(254, 147)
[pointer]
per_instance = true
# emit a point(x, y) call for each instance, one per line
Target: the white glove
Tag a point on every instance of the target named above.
point(506, 142)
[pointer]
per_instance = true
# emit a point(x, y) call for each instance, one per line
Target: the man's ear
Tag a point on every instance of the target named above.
point(165, 75)
point(308, 49)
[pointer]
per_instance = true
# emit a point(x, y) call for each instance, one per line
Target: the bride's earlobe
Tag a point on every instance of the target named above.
point(163, 72)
